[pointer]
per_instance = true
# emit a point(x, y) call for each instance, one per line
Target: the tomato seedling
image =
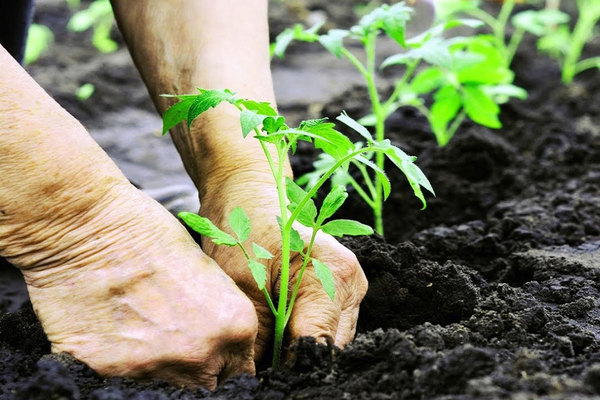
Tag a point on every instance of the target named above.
point(295, 204)
point(466, 76)
point(566, 45)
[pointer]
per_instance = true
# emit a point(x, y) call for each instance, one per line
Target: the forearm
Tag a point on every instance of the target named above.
point(181, 45)
point(46, 160)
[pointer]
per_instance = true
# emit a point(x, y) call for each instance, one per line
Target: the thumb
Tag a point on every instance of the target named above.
point(314, 313)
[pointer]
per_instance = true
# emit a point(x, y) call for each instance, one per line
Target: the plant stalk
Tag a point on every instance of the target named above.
point(588, 16)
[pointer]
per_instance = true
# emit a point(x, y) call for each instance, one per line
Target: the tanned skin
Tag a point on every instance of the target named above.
point(115, 279)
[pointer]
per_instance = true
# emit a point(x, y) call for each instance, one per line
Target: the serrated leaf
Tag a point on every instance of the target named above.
point(325, 277)
point(427, 80)
point(249, 120)
point(329, 140)
point(346, 227)
point(259, 107)
point(259, 273)
point(295, 195)
point(333, 41)
point(208, 99)
point(480, 107)
point(261, 252)
point(333, 201)
point(205, 227)
point(272, 125)
point(296, 242)
point(539, 22)
point(387, 188)
point(362, 131)
point(239, 223)
point(176, 113)
point(416, 178)
point(447, 102)
point(394, 22)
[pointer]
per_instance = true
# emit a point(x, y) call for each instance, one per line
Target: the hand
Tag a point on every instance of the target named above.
point(135, 296)
point(314, 313)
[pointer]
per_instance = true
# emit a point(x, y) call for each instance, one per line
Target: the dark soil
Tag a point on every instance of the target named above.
point(491, 292)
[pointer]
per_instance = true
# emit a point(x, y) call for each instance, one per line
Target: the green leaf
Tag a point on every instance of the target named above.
point(272, 125)
point(259, 273)
point(394, 22)
point(208, 99)
point(296, 242)
point(329, 140)
point(502, 93)
point(446, 8)
point(362, 131)
point(85, 91)
point(387, 188)
point(333, 201)
point(282, 41)
point(249, 120)
point(295, 195)
point(239, 223)
point(447, 102)
point(480, 107)
point(325, 277)
point(259, 107)
point(427, 80)
point(39, 38)
point(416, 178)
point(346, 227)
point(205, 227)
point(177, 113)
point(333, 41)
point(539, 22)
point(261, 252)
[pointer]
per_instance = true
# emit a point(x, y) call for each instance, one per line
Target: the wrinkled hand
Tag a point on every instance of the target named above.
point(135, 296)
point(314, 313)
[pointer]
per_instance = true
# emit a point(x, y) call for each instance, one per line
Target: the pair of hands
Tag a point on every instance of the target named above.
point(135, 296)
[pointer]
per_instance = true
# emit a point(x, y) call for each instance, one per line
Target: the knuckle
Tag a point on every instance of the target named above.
point(240, 323)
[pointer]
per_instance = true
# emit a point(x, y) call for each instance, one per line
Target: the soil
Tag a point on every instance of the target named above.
point(492, 292)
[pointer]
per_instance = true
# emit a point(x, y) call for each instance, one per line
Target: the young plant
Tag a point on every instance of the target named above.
point(98, 16)
point(467, 78)
point(39, 38)
point(296, 205)
point(566, 45)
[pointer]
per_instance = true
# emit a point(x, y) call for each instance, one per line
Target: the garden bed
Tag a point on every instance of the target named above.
point(491, 292)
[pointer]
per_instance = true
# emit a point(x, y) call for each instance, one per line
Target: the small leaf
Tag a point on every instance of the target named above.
point(333, 201)
point(333, 41)
point(447, 102)
point(208, 99)
point(205, 227)
point(239, 223)
point(325, 277)
point(362, 131)
point(282, 41)
point(249, 120)
point(539, 22)
point(272, 125)
point(259, 107)
point(296, 242)
point(416, 178)
point(328, 139)
point(261, 252)
point(259, 273)
point(346, 227)
point(177, 113)
point(427, 80)
point(480, 107)
point(295, 195)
